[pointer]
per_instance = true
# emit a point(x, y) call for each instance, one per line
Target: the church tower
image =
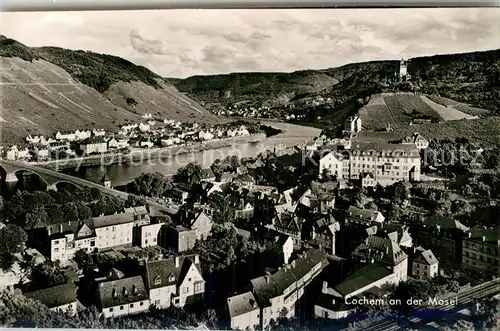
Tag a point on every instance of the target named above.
point(403, 69)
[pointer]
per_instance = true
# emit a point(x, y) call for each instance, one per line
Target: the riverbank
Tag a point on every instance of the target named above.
point(147, 154)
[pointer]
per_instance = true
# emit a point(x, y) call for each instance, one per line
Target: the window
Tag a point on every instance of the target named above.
point(131, 305)
point(56, 249)
point(157, 280)
point(121, 307)
point(157, 302)
point(110, 310)
point(56, 242)
point(142, 303)
point(185, 289)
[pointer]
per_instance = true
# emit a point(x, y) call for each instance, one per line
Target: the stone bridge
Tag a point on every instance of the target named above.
point(9, 171)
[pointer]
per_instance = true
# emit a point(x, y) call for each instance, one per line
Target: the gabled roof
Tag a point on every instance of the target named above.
point(162, 270)
point(366, 215)
point(445, 223)
point(426, 257)
point(381, 249)
point(363, 277)
point(122, 291)
point(241, 304)
point(271, 286)
point(490, 235)
point(55, 296)
point(114, 219)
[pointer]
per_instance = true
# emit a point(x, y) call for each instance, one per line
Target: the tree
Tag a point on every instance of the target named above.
point(12, 238)
point(222, 208)
point(48, 274)
point(184, 173)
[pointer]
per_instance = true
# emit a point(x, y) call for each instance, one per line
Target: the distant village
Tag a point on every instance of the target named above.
point(131, 137)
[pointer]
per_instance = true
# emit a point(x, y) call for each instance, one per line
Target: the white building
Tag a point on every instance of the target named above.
point(144, 127)
point(60, 298)
point(425, 265)
point(365, 217)
point(353, 124)
point(98, 132)
point(94, 145)
point(70, 136)
point(418, 140)
point(124, 296)
point(175, 282)
point(243, 311)
point(98, 233)
point(387, 163)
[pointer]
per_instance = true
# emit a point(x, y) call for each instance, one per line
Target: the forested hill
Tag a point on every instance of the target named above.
point(50, 89)
point(471, 78)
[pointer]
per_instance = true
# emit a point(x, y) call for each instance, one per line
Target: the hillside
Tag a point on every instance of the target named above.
point(472, 79)
point(49, 89)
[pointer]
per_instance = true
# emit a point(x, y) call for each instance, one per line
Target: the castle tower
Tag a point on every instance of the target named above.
point(105, 181)
point(403, 69)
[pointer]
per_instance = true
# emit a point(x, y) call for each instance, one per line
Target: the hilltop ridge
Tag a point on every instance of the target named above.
point(50, 89)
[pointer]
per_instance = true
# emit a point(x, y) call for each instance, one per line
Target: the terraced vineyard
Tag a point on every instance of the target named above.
point(458, 105)
point(412, 105)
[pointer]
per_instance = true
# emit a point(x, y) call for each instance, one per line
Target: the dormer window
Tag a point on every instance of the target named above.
point(134, 290)
point(125, 291)
point(157, 280)
point(114, 293)
point(171, 278)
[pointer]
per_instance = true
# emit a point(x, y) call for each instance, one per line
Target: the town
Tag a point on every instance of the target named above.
point(361, 206)
point(271, 170)
point(134, 137)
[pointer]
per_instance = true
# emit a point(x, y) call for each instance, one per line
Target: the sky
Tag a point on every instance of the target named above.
point(182, 43)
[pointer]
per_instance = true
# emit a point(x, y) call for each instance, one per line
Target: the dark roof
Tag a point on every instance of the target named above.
point(59, 230)
point(271, 286)
point(55, 296)
point(445, 223)
point(426, 257)
point(105, 178)
point(363, 277)
point(114, 219)
point(241, 304)
point(489, 235)
point(381, 249)
point(94, 140)
point(122, 291)
point(363, 214)
point(162, 271)
point(383, 148)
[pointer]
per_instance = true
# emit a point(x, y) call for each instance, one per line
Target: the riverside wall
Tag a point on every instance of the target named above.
point(145, 154)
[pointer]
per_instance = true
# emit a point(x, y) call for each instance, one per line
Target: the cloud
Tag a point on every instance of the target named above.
point(181, 43)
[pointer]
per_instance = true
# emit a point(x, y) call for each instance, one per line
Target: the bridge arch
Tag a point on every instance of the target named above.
point(65, 182)
point(20, 171)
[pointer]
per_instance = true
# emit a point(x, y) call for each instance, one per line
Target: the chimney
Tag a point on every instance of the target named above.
point(177, 262)
point(293, 264)
point(484, 238)
point(325, 288)
point(267, 279)
point(387, 250)
point(60, 227)
point(196, 259)
point(305, 254)
point(469, 234)
point(49, 230)
point(253, 303)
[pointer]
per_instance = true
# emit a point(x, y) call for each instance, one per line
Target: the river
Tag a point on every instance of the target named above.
point(121, 174)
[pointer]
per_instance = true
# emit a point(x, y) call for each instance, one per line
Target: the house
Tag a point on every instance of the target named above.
point(418, 140)
point(332, 164)
point(480, 250)
point(179, 194)
point(97, 233)
point(364, 217)
point(82, 135)
point(12, 153)
point(285, 287)
point(286, 244)
point(398, 233)
point(323, 234)
point(243, 210)
point(244, 181)
point(445, 236)
point(144, 127)
point(70, 136)
point(368, 180)
point(191, 226)
point(335, 301)
point(98, 132)
point(60, 298)
point(353, 124)
point(424, 265)
point(243, 311)
point(105, 181)
point(124, 296)
point(93, 145)
point(175, 282)
point(113, 143)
